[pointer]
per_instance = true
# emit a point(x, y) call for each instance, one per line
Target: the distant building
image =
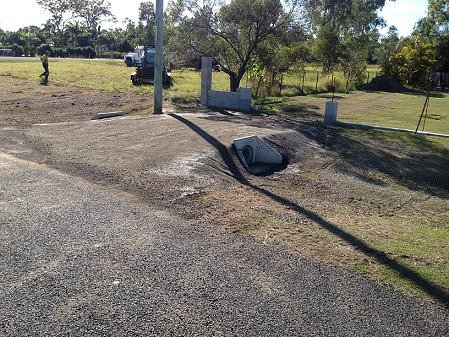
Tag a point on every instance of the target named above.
point(7, 52)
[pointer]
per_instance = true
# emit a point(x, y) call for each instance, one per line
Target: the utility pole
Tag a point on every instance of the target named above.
point(158, 57)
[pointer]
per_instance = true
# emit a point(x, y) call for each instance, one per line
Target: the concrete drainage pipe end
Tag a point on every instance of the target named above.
point(248, 154)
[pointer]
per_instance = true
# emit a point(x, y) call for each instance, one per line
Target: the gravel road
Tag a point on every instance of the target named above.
point(82, 259)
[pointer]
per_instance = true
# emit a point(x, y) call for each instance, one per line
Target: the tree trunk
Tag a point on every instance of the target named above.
point(234, 82)
point(234, 79)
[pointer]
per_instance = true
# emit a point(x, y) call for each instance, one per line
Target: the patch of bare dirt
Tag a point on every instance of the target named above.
point(27, 102)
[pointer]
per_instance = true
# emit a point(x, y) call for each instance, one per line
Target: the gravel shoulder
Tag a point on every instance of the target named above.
point(102, 262)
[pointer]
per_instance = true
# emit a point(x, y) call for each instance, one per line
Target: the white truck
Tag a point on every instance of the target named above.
point(132, 59)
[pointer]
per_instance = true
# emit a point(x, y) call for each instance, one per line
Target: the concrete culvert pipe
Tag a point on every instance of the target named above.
point(256, 156)
point(248, 153)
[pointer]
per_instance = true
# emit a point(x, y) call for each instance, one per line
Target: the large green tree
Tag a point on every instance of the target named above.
point(412, 62)
point(147, 23)
point(64, 13)
point(231, 32)
point(434, 30)
point(344, 31)
point(30, 38)
point(92, 13)
point(61, 12)
point(388, 45)
point(438, 13)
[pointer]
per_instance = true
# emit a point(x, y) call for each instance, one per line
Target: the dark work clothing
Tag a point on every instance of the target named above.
point(46, 72)
point(45, 65)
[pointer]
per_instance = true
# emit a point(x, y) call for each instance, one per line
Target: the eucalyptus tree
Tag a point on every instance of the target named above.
point(91, 13)
point(388, 45)
point(231, 31)
point(146, 28)
point(344, 30)
point(438, 13)
point(61, 13)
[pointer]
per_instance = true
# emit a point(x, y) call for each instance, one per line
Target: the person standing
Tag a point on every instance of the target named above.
point(44, 75)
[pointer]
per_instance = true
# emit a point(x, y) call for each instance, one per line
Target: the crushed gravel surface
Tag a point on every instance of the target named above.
point(79, 259)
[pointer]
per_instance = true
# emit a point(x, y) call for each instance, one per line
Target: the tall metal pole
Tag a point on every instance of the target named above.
point(158, 57)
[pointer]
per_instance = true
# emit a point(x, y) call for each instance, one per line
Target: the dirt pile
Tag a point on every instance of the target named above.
point(385, 83)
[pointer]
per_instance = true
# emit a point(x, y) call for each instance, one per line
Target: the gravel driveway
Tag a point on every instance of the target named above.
point(79, 258)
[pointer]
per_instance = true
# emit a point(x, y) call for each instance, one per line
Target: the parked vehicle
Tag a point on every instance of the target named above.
point(133, 59)
point(145, 69)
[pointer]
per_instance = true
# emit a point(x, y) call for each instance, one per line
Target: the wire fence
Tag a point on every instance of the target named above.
point(318, 81)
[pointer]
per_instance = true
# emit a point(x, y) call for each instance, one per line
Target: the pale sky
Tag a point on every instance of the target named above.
point(15, 14)
point(404, 14)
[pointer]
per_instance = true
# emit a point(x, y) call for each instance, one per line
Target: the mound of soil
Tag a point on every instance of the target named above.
point(385, 83)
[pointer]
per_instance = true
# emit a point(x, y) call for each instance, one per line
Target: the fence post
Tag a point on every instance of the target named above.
point(302, 86)
point(316, 83)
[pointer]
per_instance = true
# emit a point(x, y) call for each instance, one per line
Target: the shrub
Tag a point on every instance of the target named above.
point(110, 55)
point(411, 64)
point(86, 52)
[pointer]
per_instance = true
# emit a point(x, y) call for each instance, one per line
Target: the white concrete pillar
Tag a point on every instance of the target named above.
point(206, 79)
point(245, 99)
point(331, 112)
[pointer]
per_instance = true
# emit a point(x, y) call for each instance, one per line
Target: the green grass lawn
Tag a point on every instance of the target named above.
point(400, 110)
point(102, 75)
point(396, 110)
point(108, 75)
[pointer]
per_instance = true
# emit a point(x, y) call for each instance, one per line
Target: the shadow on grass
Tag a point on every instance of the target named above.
point(422, 92)
point(295, 110)
point(381, 257)
point(410, 92)
point(425, 168)
point(329, 96)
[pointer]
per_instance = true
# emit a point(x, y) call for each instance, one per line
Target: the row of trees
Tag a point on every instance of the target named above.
point(74, 29)
point(425, 51)
point(264, 39)
point(270, 38)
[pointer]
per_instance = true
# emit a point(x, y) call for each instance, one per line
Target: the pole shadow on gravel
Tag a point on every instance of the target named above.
point(433, 290)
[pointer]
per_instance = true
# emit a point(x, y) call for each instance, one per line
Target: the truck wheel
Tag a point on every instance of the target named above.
point(129, 62)
point(136, 80)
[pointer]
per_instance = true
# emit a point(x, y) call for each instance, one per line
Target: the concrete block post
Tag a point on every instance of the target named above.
point(206, 79)
point(245, 99)
point(331, 112)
